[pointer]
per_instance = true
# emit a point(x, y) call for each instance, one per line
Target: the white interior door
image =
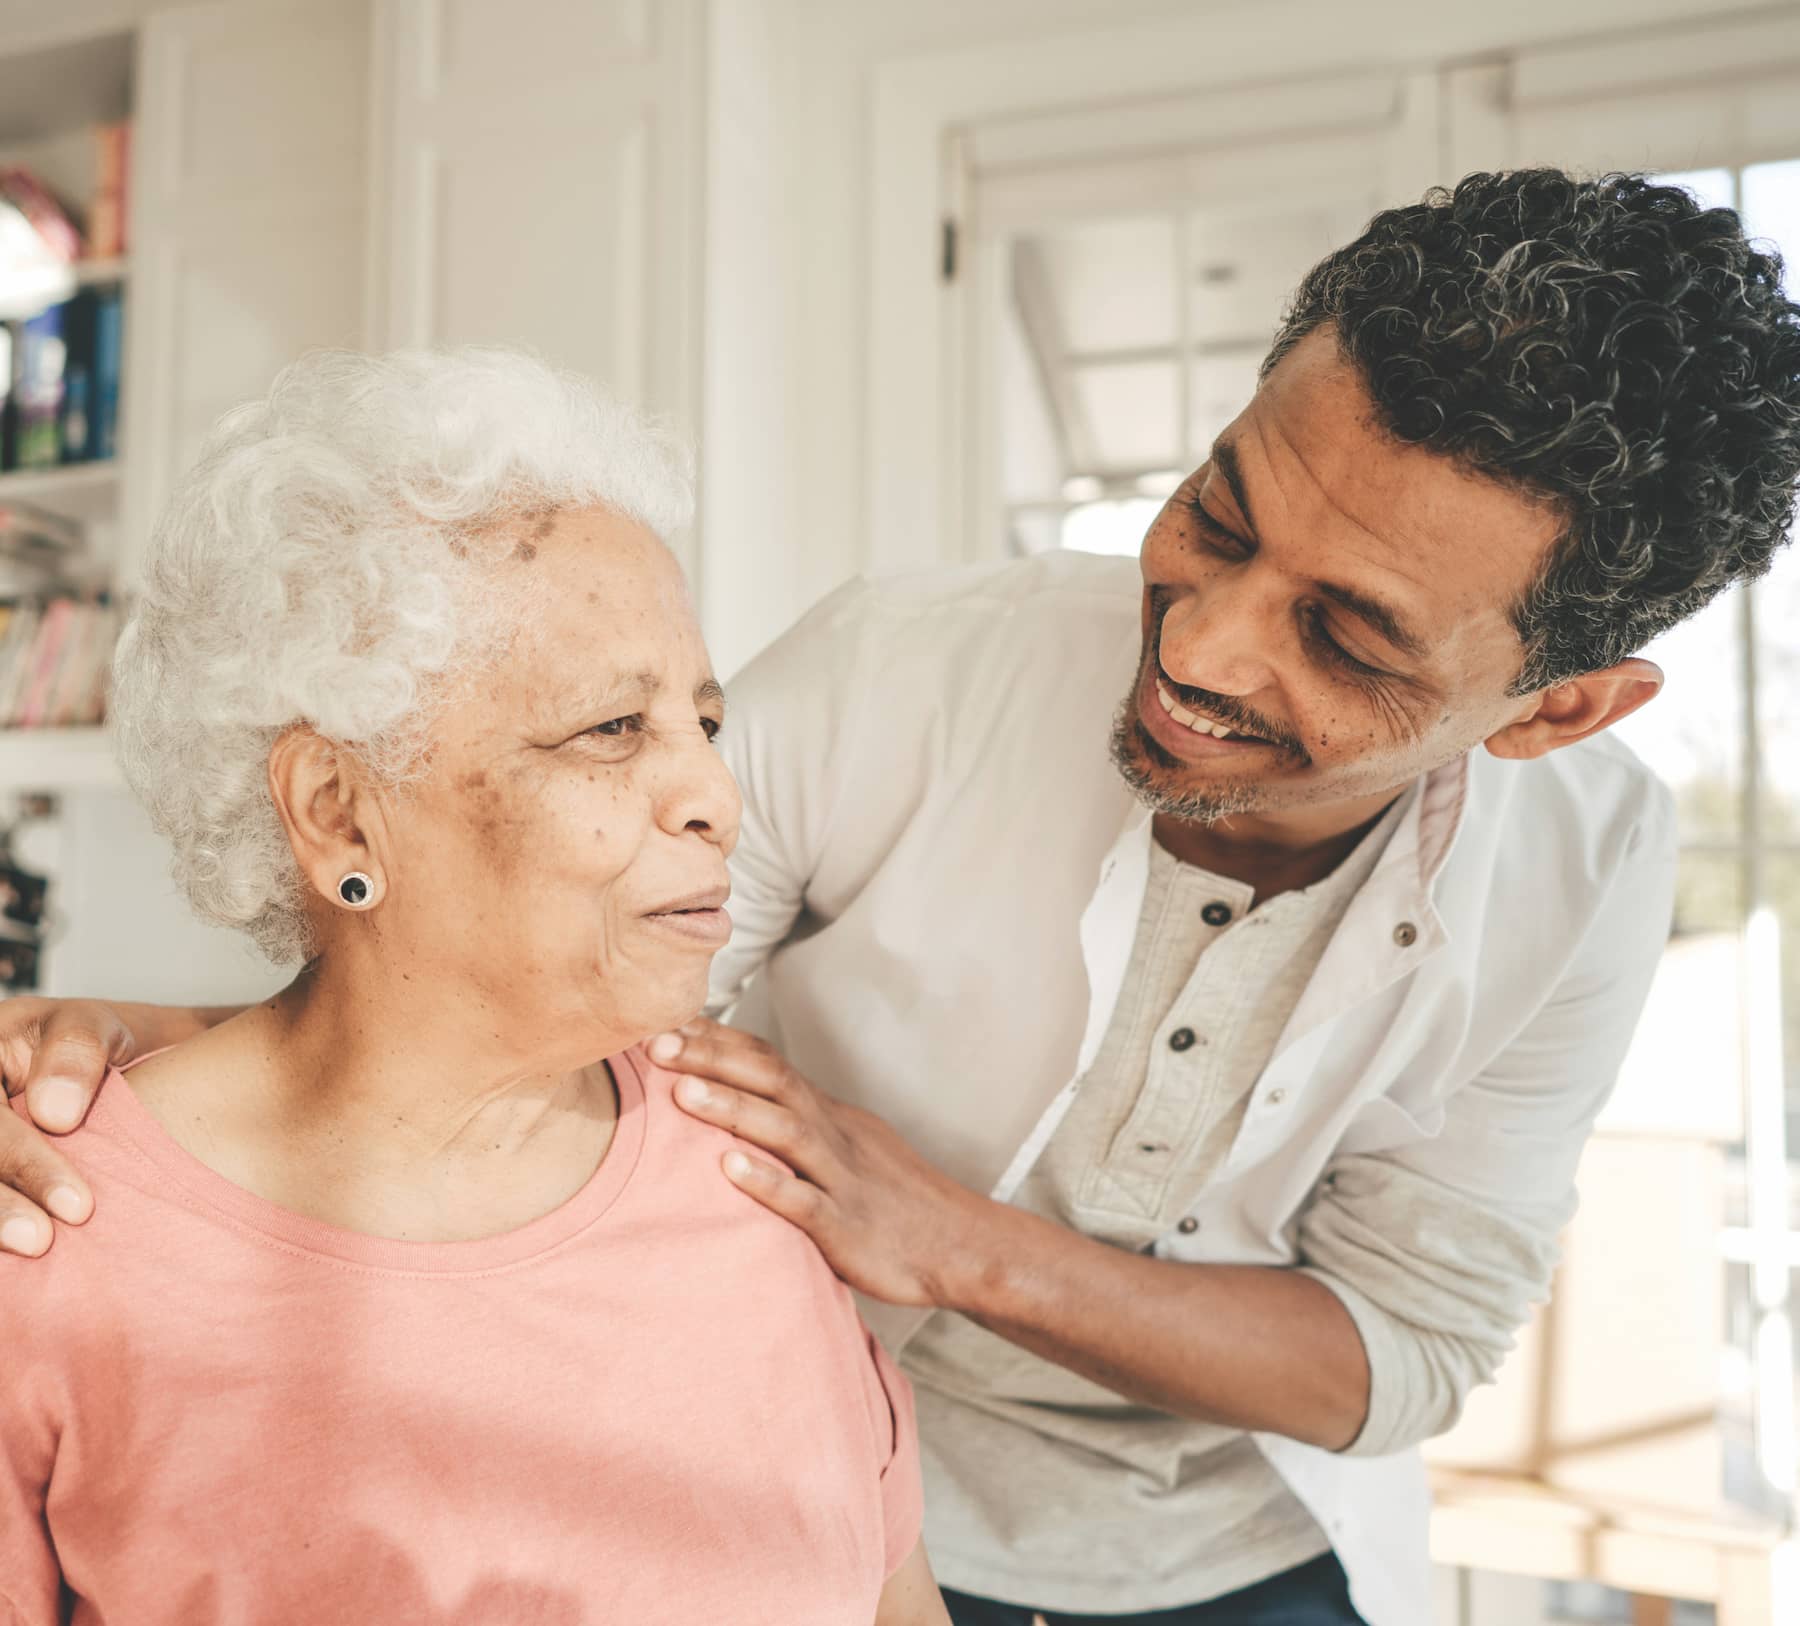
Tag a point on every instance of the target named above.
point(540, 184)
point(251, 172)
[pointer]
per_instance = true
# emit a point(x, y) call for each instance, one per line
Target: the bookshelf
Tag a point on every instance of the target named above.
point(51, 97)
point(84, 491)
point(100, 273)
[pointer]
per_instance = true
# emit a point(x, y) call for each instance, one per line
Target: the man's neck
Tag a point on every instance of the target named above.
point(1273, 853)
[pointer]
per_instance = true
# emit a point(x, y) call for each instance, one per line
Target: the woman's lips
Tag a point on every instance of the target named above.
point(710, 927)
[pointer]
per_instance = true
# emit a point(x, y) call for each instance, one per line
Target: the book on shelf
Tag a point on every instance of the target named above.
point(43, 358)
point(109, 210)
point(62, 401)
point(109, 353)
point(55, 655)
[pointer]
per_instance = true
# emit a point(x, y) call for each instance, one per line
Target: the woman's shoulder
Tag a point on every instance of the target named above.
point(686, 1157)
point(79, 1256)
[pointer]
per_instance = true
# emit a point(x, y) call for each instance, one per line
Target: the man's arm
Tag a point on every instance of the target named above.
point(1252, 1348)
point(55, 1053)
point(1416, 1267)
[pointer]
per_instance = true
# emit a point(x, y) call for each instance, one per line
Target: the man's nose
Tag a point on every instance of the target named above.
point(1223, 636)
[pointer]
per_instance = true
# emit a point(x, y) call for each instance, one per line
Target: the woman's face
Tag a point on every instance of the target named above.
point(562, 862)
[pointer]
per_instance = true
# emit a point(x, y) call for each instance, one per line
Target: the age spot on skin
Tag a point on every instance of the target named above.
point(545, 526)
point(525, 552)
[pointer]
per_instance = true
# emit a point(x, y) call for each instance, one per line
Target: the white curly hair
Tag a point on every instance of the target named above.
point(324, 563)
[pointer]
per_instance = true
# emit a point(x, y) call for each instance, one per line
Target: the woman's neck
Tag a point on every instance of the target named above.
point(398, 1111)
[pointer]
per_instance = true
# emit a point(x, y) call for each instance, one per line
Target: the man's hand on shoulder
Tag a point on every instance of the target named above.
point(54, 1053)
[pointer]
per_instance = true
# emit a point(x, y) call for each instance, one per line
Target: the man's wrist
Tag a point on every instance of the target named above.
point(982, 1251)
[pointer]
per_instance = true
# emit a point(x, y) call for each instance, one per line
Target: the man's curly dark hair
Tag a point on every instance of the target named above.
point(1609, 344)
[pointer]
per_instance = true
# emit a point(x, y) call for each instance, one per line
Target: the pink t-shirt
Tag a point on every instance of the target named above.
point(655, 1404)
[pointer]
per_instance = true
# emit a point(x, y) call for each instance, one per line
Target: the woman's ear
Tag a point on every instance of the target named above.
point(1577, 709)
point(333, 820)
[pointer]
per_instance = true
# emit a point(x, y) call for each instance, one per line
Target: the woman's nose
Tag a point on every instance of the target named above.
point(701, 795)
point(1223, 636)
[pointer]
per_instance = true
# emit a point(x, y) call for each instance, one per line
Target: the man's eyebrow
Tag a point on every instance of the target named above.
point(1378, 615)
point(1225, 459)
point(709, 690)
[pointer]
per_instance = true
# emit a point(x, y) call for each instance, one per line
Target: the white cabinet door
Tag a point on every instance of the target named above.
point(251, 182)
point(539, 183)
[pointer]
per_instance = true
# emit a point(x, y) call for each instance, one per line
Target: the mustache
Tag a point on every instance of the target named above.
point(1232, 713)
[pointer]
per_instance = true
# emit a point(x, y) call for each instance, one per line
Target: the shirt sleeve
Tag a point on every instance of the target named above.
point(30, 1578)
point(1439, 1249)
point(792, 715)
point(902, 1488)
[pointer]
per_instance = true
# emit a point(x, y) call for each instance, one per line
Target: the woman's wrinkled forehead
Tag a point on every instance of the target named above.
point(596, 593)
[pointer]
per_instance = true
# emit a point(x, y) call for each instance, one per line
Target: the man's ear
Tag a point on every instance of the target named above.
point(332, 820)
point(1574, 710)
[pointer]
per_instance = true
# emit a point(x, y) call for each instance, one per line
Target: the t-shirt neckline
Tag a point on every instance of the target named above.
point(200, 1187)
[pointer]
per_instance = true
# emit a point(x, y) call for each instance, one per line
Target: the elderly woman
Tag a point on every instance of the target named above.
point(410, 1295)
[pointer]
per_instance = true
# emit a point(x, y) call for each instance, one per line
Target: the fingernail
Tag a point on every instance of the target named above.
point(56, 1103)
point(693, 1092)
point(736, 1165)
point(21, 1235)
point(665, 1047)
point(66, 1203)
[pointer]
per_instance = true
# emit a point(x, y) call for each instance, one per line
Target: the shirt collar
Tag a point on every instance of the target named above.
point(1422, 841)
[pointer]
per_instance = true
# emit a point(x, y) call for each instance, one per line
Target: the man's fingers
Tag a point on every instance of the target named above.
point(798, 1201)
point(81, 1039)
point(725, 1054)
point(772, 1127)
point(35, 1182)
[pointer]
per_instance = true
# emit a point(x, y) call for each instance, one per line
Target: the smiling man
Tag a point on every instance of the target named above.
point(1200, 1124)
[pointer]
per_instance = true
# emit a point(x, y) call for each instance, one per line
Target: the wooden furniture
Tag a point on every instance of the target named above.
point(1746, 1570)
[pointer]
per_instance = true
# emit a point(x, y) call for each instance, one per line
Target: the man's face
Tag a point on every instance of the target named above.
point(1340, 600)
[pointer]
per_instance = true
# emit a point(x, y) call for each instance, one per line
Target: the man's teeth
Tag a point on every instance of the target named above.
point(1198, 724)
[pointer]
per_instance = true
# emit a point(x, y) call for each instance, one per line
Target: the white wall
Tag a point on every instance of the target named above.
point(123, 930)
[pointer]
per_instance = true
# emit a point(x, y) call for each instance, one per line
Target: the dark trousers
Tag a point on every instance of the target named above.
point(1315, 1594)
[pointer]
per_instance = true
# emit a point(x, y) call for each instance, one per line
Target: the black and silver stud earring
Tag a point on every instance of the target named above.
point(356, 890)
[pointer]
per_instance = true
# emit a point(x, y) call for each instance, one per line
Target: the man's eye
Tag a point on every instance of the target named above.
point(619, 727)
point(1335, 652)
point(712, 727)
point(1215, 530)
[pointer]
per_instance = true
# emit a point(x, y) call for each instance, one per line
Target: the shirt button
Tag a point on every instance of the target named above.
point(1182, 1039)
point(1276, 1097)
point(1216, 914)
point(1188, 1226)
point(1406, 934)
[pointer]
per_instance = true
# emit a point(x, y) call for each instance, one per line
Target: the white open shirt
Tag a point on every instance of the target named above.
point(940, 876)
